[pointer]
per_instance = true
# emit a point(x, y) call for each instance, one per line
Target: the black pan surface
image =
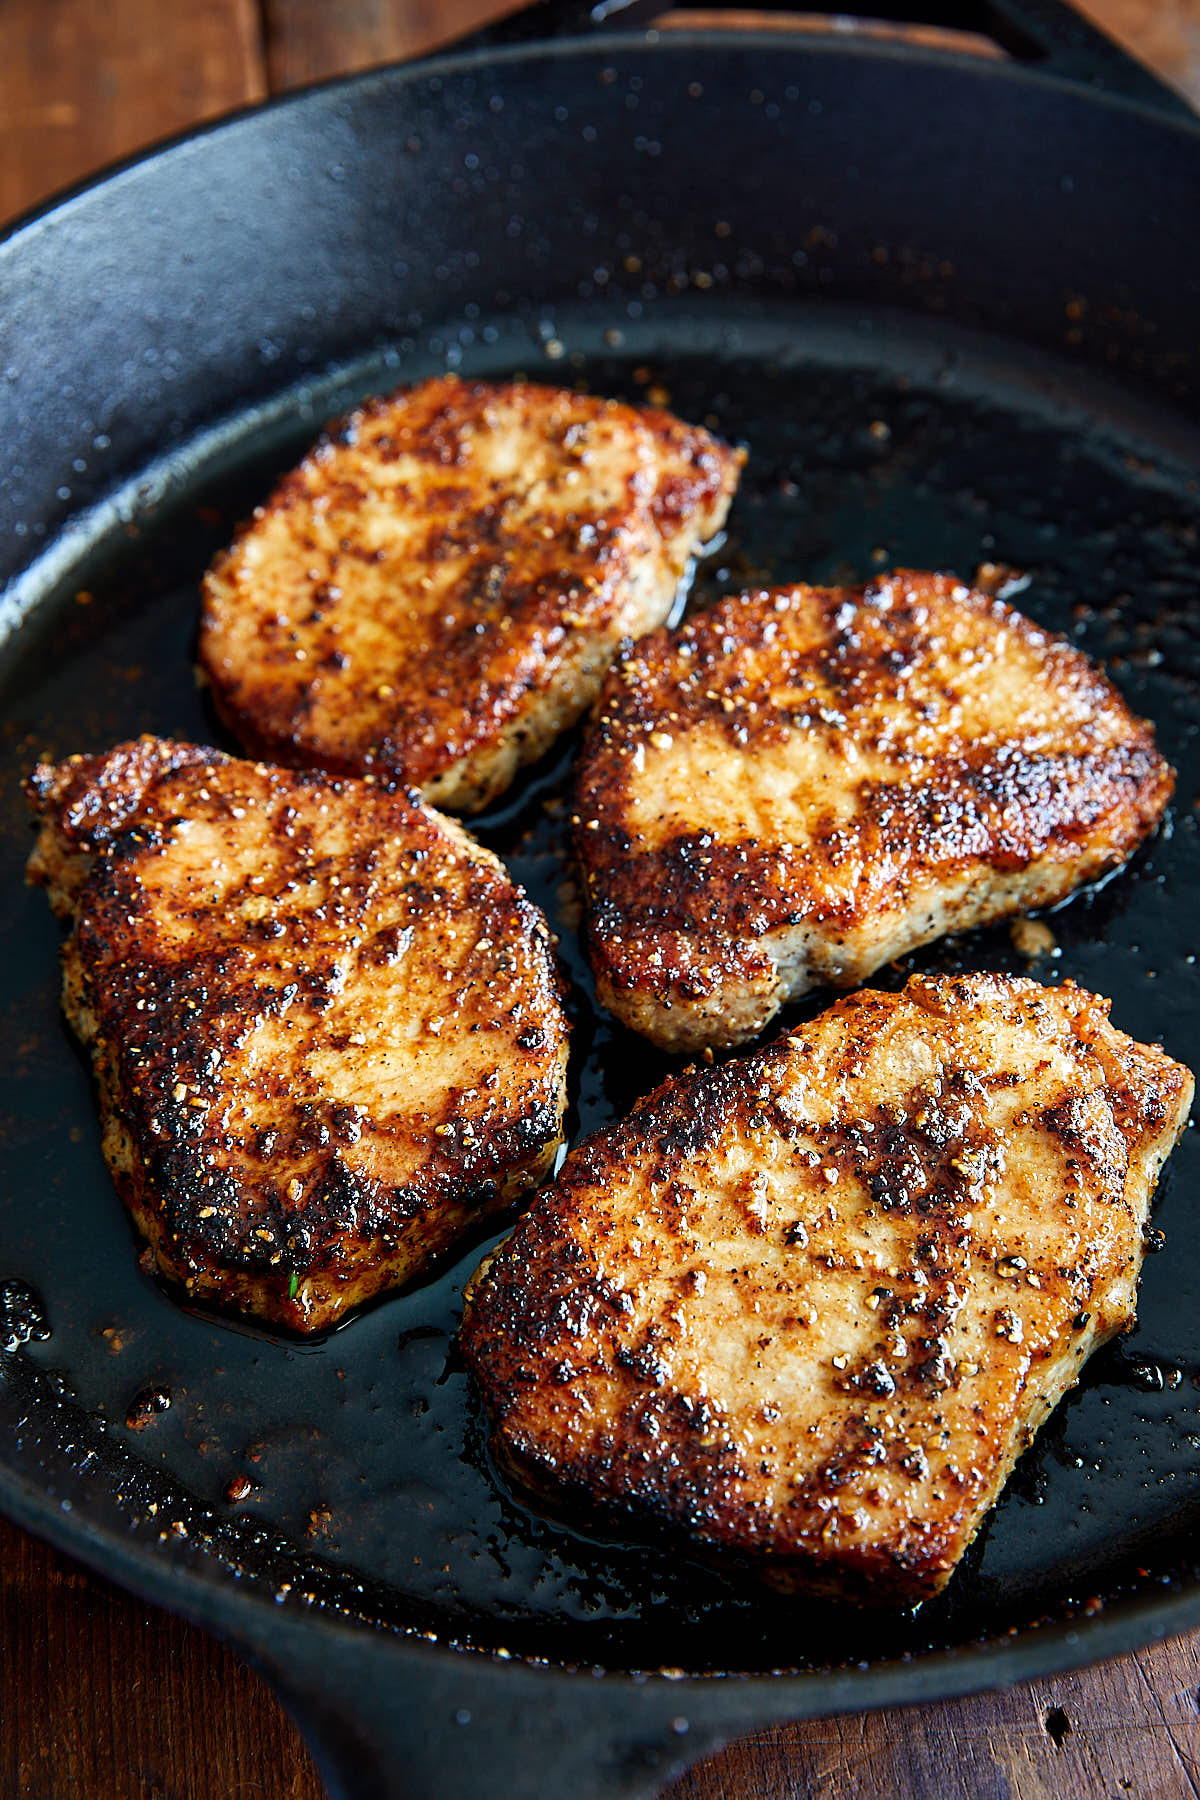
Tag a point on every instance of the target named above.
point(877, 438)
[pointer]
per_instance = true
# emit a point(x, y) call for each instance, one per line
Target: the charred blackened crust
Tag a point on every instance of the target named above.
point(83, 803)
point(326, 1027)
point(803, 1312)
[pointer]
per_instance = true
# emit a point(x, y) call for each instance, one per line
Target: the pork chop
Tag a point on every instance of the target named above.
point(436, 592)
point(805, 1310)
point(800, 785)
point(327, 1028)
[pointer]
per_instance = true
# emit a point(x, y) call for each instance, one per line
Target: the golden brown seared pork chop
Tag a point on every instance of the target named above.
point(327, 1028)
point(798, 786)
point(806, 1309)
point(436, 592)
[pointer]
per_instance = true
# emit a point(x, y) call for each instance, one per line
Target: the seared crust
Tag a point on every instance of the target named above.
point(327, 1028)
point(800, 785)
point(437, 591)
point(805, 1310)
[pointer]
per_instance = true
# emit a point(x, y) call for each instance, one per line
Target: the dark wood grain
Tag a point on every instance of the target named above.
point(307, 40)
point(1126, 1728)
point(1165, 34)
point(85, 81)
point(105, 1698)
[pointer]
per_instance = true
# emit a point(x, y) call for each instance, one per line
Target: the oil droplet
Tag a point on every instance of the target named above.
point(1152, 1377)
point(144, 1406)
point(22, 1316)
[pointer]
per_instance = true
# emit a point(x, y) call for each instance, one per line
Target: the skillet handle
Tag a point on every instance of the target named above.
point(1067, 44)
point(1048, 33)
point(382, 1725)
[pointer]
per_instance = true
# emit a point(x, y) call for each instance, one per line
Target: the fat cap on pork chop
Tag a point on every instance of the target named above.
point(805, 1310)
point(801, 784)
point(327, 1028)
point(436, 592)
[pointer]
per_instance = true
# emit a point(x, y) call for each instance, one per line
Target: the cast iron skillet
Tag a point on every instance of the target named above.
point(950, 304)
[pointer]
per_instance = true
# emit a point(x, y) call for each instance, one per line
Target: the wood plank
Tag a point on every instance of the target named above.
point(105, 1698)
point(1164, 34)
point(83, 82)
point(307, 40)
point(1128, 1727)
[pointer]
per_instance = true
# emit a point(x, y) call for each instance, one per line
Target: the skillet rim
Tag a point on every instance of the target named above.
point(203, 1599)
point(466, 54)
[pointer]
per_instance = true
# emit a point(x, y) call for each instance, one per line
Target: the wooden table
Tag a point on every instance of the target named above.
point(104, 1698)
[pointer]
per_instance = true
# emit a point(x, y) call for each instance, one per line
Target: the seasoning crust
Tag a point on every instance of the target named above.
point(803, 783)
point(437, 591)
point(806, 1309)
point(327, 1028)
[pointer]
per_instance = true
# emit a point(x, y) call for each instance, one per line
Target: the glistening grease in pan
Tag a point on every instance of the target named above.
point(373, 1430)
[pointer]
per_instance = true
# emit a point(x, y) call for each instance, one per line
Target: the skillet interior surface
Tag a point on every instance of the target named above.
point(875, 440)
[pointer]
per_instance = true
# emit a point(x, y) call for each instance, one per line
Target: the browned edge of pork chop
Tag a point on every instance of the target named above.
point(436, 592)
point(803, 1311)
point(327, 1028)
